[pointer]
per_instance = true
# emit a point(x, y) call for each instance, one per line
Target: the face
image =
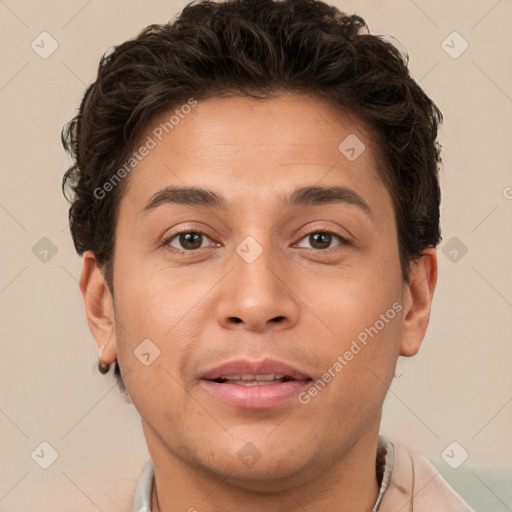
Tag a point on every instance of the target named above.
point(272, 306)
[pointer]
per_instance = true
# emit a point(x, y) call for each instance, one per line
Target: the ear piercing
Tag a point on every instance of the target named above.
point(103, 367)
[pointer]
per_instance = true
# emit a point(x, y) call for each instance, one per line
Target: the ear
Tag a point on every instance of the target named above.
point(99, 307)
point(418, 294)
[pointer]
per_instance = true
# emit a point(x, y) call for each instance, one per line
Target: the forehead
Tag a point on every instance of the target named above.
point(256, 148)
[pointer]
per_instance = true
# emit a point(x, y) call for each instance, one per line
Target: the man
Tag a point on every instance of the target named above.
point(256, 199)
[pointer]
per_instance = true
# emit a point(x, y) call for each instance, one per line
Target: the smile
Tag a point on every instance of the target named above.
point(254, 384)
point(253, 380)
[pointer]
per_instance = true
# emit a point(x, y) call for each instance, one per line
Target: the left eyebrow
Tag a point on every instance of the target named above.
point(313, 196)
point(303, 196)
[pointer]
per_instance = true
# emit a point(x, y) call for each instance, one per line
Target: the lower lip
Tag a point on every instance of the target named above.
point(255, 397)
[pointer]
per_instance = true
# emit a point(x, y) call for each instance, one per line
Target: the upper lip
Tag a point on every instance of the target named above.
point(248, 367)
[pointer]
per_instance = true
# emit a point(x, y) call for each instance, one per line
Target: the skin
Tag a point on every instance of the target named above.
point(297, 302)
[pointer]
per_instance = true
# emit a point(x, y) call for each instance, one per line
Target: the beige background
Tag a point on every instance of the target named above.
point(458, 388)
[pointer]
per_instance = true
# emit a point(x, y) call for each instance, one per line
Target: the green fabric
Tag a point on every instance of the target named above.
point(484, 489)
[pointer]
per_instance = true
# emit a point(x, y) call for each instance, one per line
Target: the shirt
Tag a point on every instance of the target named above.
point(409, 482)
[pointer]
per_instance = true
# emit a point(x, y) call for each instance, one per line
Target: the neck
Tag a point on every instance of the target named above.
point(347, 485)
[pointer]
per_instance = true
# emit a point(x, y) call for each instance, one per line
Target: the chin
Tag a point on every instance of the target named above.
point(257, 465)
point(265, 476)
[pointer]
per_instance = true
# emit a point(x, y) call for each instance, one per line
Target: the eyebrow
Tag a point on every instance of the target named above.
point(303, 196)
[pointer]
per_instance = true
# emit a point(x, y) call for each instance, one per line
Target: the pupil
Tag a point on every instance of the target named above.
point(323, 239)
point(190, 240)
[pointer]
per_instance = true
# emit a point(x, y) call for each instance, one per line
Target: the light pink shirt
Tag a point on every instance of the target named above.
point(417, 486)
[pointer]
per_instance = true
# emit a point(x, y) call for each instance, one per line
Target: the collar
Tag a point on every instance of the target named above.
point(142, 501)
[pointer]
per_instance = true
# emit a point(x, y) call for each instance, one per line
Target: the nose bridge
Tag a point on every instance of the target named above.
point(255, 264)
point(254, 293)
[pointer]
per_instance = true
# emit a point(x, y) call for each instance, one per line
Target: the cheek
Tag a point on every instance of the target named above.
point(365, 321)
point(161, 306)
point(154, 318)
point(352, 301)
point(149, 300)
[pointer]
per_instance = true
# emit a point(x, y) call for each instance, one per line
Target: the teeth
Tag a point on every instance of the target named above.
point(270, 376)
point(252, 383)
point(253, 380)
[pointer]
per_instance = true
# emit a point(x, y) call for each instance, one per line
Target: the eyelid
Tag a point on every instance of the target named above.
point(309, 230)
point(166, 242)
point(343, 240)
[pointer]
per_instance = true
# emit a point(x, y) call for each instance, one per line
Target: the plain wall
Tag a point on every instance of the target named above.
point(459, 386)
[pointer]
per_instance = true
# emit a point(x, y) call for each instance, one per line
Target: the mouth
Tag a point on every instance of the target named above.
point(253, 380)
point(254, 384)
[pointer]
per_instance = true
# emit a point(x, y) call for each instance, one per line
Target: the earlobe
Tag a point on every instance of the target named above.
point(99, 308)
point(418, 295)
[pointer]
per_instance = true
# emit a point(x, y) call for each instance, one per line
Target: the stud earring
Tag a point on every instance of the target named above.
point(103, 367)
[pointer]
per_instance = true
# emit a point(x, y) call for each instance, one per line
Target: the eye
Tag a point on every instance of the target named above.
point(187, 240)
point(323, 239)
point(193, 240)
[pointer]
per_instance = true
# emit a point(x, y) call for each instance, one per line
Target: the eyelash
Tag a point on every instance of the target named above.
point(168, 240)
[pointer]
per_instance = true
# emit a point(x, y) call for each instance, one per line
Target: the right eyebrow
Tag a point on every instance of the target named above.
point(187, 196)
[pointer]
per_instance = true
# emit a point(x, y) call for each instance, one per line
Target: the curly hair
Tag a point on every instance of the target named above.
point(254, 48)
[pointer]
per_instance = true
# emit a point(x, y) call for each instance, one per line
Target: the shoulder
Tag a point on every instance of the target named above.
point(417, 485)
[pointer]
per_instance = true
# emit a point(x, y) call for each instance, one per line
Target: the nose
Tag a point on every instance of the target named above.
point(258, 295)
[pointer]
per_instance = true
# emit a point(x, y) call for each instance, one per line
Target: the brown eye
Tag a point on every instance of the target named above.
point(322, 239)
point(187, 240)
